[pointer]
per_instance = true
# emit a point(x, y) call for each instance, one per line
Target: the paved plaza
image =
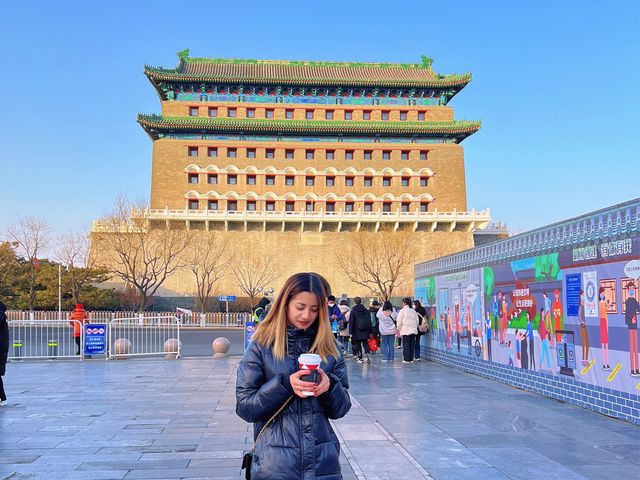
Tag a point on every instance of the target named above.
point(167, 419)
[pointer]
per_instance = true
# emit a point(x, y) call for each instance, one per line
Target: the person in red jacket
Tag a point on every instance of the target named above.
point(80, 314)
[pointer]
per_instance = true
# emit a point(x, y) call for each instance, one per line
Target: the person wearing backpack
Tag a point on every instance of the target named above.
point(423, 327)
point(360, 329)
point(387, 322)
point(335, 315)
point(343, 327)
point(408, 325)
point(375, 329)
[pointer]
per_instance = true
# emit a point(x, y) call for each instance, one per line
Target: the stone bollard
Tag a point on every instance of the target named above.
point(122, 347)
point(172, 348)
point(221, 347)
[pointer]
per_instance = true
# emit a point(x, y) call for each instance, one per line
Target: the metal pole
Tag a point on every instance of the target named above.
point(227, 306)
point(59, 292)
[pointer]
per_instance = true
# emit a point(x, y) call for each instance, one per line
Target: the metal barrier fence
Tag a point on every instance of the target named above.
point(44, 339)
point(201, 320)
point(143, 336)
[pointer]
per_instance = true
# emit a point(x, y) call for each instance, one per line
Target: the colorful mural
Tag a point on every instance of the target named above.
point(572, 312)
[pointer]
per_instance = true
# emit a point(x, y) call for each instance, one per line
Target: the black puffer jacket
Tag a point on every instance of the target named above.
point(4, 339)
point(299, 443)
point(360, 322)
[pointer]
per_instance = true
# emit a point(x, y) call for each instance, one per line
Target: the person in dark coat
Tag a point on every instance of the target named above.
point(299, 442)
point(4, 350)
point(417, 306)
point(360, 329)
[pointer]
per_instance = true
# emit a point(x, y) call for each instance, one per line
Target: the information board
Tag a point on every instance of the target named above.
point(95, 339)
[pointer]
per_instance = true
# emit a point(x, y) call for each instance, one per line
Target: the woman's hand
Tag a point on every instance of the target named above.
point(299, 386)
point(324, 384)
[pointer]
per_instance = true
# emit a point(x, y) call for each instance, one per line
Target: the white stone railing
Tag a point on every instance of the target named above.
point(435, 216)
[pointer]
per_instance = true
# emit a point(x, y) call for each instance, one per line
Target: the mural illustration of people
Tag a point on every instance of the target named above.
point(604, 330)
point(587, 290)
point(557, 314)
point(584, 336)
point(631, 319)
point(546, 312)
point(488, 333)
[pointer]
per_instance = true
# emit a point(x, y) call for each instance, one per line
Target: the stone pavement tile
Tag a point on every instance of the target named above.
point(174, 473)
point(219, 447)
point(600, 472)
point(148, 449)
point(574, 452)
point(17, 458)
point(467, 473)
point(94, 475)
point(544, 471)
point(391, 465)
point(80, 457)
point(359, 431)
point(137, 465)
point(625, 453)
point(433, 454)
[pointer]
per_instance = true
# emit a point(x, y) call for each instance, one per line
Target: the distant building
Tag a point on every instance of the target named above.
point(301, 155)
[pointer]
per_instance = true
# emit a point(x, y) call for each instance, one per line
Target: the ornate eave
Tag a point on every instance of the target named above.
point(155, 125)
point(208, 72)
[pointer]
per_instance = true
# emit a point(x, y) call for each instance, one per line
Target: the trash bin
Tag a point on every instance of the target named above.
point(17, 348)
point(52, 347)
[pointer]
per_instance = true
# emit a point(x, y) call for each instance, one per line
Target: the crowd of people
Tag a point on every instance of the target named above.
point(363, 331)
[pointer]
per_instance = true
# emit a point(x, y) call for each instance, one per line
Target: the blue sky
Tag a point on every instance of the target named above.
point(556, 85)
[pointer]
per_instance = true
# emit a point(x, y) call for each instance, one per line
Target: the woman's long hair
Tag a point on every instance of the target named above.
point(272, 331)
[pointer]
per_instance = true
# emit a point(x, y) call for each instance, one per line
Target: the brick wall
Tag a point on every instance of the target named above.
point(609, 402)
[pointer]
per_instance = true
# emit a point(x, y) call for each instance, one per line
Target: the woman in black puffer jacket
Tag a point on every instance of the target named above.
point(299, 443)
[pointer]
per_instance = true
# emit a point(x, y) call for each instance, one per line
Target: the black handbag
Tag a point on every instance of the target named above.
point(247, 459)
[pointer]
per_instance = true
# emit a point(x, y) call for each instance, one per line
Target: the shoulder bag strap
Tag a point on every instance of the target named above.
point(271, 420)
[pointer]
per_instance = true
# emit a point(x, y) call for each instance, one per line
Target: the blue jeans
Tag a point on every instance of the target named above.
point(387, 345)
point(345, 342)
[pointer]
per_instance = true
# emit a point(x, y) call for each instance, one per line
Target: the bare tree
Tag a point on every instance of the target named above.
point(131, 249)
point(31, 236)
point(254, 270)
point(208, 259)
point(72, 251)
point(380, 262)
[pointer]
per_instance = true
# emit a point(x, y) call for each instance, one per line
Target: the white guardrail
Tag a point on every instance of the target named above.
point(146, 336)
point(44, 339)
point(198, 320)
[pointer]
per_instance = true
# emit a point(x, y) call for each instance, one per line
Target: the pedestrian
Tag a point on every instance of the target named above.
point(343, 332)
point(335, 315)
point(407, 321)
point(632, 308)
point(260, 311)
point(77, 320)
point(290, 416)
point(360, 329)
point(373, 315)
point(4, 350)
point(387, 321)
point(422, 312)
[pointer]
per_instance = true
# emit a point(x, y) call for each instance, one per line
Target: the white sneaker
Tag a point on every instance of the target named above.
point(416, 359)
point(3, 403)
point(404, 361)
point(384, 361)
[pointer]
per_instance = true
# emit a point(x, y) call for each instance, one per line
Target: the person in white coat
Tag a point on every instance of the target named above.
point(408, 322)
point(387, 321)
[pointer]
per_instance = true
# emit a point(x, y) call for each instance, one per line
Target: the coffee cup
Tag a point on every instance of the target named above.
point(311, 362)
